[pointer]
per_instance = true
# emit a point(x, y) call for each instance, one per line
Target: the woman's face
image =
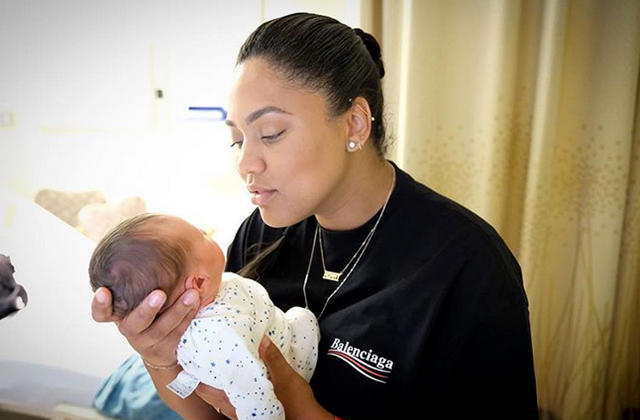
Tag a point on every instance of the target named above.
point(291, 153)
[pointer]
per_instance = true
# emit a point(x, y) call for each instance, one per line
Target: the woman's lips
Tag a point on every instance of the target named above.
point(261, 197)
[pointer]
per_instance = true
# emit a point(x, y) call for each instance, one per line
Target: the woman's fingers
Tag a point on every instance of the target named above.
point(217, 399)
point(143, 315)
point(101, 306)
point(177, 332)
point(279, 369)
point(145, 331)
point(292, 390)
point(180, 313)
point(162, 341)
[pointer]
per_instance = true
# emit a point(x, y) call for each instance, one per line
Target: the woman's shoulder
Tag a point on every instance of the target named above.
point(438, 225)
point(422, 209)
point(416, 197)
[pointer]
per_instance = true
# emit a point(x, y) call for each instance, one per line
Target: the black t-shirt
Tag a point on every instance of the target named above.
point(433, 322)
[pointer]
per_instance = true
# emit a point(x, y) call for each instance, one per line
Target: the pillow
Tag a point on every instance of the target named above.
point(95, 220)
point(128, 393)
point(67, 204)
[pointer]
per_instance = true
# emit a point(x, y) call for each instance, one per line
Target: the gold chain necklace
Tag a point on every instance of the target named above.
point(360, 250)
point(332, 275)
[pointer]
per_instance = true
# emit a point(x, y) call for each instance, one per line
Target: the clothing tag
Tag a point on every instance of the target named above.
point(184, 384)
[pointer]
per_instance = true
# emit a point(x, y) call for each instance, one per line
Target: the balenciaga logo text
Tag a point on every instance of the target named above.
point(365, 362)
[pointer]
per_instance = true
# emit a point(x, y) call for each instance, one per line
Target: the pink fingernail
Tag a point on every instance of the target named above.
point(156, 300)
point(101, 297)
point(189, 298)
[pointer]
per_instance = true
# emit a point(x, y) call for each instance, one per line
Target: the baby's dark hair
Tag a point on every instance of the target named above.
point(132, 260)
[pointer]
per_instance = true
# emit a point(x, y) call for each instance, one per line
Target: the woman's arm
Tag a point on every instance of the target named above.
point(156, 340)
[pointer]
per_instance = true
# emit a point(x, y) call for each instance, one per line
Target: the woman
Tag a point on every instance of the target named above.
point(420, 303)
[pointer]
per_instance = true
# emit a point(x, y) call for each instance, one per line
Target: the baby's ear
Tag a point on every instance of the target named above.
point(194, 282)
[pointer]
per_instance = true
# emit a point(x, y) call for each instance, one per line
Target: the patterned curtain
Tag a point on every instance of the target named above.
point(526, 111)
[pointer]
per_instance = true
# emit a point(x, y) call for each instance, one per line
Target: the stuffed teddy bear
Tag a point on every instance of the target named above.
point(13, 297)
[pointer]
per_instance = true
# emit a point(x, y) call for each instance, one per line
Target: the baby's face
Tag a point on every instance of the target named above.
point(205, 260)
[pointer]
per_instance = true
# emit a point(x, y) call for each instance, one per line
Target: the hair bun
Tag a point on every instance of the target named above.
point(373, 47)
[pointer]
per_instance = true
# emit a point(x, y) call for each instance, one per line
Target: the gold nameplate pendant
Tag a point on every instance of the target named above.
point(331, 275)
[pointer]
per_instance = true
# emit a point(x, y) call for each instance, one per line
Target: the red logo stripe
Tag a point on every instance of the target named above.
point(347, 361)
point(357, 362)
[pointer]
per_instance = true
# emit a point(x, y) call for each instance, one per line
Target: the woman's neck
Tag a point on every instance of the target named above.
point(362, 192)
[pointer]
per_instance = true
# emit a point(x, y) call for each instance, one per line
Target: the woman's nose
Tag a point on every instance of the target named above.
point(250, 159)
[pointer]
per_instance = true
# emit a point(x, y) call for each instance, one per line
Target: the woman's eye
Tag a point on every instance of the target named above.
point(236, 143)
point(273, 137)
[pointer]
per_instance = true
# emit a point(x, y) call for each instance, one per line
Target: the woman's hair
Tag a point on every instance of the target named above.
point(322, 54)
point(132, 260)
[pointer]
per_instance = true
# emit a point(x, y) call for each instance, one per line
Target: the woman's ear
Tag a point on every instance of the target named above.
point(359, 122)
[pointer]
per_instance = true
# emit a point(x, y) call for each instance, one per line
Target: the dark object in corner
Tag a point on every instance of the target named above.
point(13, 297)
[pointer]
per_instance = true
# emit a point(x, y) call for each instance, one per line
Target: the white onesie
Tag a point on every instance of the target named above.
point(220, 347)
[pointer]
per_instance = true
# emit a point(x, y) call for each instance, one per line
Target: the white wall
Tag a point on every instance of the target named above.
point(77, 86)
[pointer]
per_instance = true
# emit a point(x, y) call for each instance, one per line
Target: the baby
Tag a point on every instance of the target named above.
point(220, 347)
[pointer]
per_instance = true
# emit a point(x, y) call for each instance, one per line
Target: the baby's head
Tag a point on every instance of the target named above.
point(153, 251)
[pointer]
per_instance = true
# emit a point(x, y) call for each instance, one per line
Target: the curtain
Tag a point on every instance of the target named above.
point(526, 111)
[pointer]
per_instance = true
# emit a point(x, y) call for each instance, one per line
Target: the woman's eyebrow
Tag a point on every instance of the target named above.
point(259, 113)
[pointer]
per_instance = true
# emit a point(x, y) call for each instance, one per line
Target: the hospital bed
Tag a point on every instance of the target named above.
point(53, 356)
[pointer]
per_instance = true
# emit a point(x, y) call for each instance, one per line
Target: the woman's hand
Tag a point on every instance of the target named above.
point(155, 339)
point(292, 390)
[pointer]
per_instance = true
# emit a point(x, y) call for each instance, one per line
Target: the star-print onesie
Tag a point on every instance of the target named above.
point(220, 347)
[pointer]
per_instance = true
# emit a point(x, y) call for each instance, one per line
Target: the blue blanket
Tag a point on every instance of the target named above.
point(128, 393)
